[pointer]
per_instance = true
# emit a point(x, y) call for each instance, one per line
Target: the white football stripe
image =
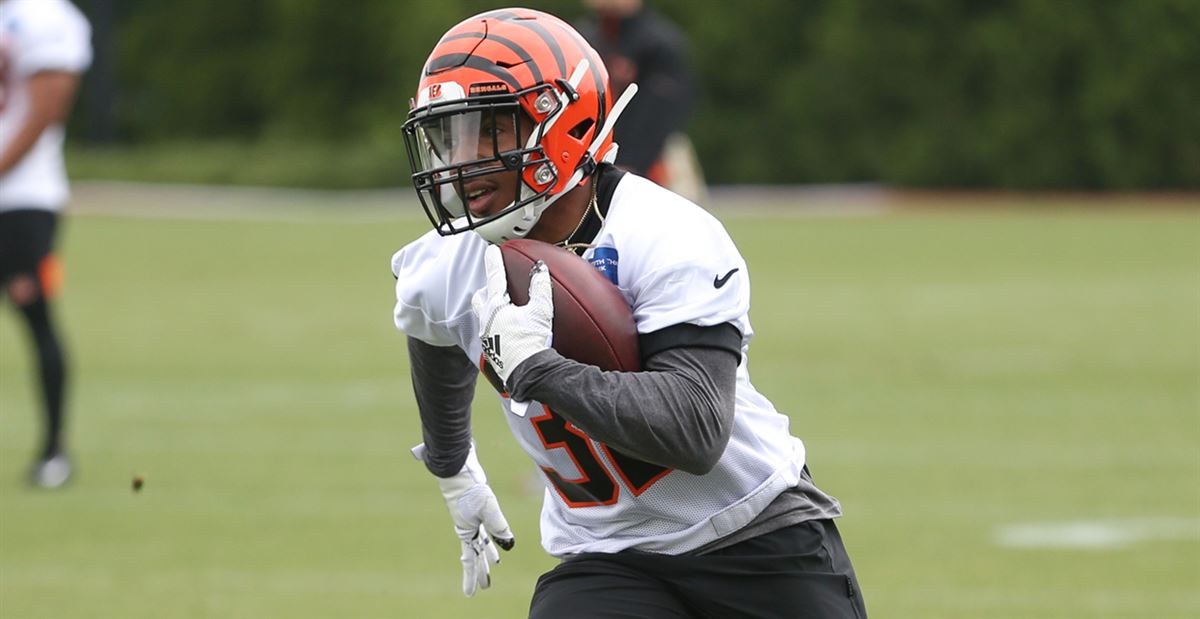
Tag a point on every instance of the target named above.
point(1097, 534)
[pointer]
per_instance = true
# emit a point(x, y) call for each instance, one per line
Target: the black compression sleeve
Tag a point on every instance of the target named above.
point(444, 384)
point(724, 336)
point(677, 412)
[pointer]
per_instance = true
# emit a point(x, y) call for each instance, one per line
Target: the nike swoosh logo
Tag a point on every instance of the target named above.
point(720, 281)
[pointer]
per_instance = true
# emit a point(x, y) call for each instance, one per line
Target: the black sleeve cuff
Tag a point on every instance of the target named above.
point(724, 336)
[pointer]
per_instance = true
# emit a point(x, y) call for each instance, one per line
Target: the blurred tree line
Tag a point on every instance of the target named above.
point(1093, 94)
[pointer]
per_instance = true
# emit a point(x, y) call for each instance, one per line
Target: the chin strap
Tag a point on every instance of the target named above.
point(611, 154)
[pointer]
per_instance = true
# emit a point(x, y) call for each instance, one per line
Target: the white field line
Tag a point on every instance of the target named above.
point(1097, 534)
point(213, 202)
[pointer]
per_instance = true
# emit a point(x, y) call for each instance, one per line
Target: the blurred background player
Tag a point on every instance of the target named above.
point(45, 45)
point(675, 491)
point(640, 45)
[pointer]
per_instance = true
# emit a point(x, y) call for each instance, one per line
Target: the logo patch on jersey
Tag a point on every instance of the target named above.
point(605, 261)
point(486, 88)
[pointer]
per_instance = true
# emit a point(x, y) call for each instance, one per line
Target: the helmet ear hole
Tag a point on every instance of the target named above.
point(581, 129)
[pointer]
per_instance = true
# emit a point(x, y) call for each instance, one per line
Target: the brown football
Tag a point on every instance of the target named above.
point(592, 322)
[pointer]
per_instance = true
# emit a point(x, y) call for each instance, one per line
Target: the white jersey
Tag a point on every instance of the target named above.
point(35, 36)
point(674, 263)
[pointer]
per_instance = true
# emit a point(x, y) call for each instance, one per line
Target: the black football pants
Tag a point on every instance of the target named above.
point(26, 239)
point(798, 571)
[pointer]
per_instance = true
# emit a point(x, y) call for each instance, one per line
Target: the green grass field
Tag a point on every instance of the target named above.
point(954, 372)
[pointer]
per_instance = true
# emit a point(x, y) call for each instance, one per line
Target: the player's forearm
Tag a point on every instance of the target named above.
point(21, 143)
point(50, 96)
point(444, 384)
point(678, 413)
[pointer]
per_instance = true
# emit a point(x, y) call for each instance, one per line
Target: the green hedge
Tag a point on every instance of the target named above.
point(1004, 93)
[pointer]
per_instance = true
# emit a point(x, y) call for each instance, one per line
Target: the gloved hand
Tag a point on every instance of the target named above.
point(511, 334)
point(478, 521)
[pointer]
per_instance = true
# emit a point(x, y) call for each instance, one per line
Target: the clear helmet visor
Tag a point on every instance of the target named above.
point(473, 165)
point(454, 148)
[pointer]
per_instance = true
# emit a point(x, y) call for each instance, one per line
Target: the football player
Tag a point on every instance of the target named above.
point(676, 491)
point(639, 44)
point(44, 47)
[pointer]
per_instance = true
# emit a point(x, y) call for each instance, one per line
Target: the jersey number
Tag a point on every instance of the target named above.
point(596, 485)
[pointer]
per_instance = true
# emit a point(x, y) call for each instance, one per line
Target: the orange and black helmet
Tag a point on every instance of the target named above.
point(518, 62)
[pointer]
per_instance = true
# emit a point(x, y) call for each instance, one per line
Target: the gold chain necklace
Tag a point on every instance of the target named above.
point(593, 205)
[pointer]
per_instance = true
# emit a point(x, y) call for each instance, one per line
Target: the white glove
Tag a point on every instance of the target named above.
point(477, 520)
point(511, 334)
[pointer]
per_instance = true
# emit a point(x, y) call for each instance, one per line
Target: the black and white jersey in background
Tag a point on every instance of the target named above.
point(647, 49)
point(36, 36)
